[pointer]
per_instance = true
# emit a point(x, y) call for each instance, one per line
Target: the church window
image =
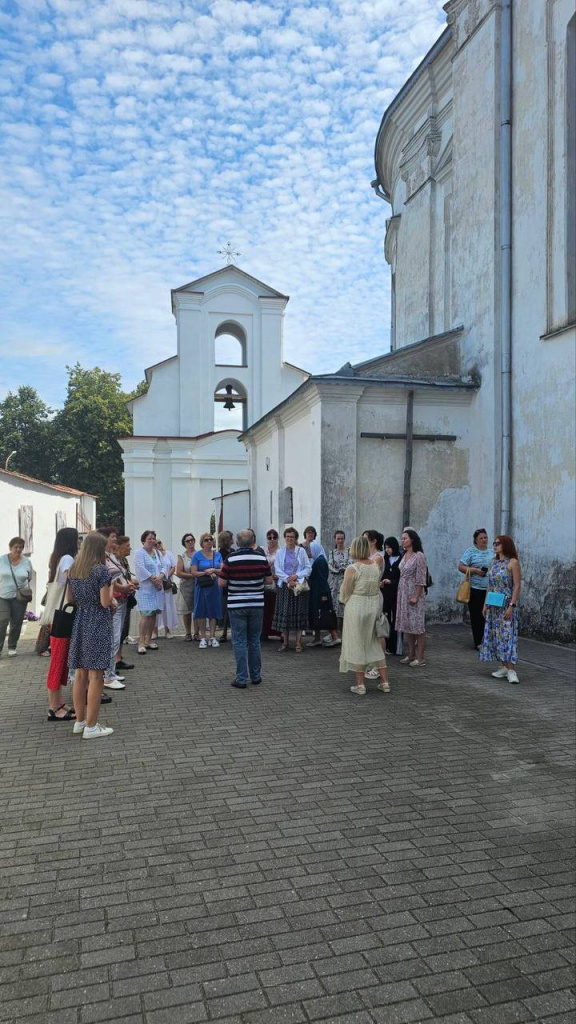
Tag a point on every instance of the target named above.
point(230, 406)
point(287, 506)
point(570, 200)
point(230, 344)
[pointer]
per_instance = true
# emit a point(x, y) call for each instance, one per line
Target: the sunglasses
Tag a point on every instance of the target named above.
point(271, 536)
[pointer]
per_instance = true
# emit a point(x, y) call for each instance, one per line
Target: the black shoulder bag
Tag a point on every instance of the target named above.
point(63, 618)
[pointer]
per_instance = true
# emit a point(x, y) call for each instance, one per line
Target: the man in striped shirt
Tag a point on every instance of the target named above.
point(244, 572)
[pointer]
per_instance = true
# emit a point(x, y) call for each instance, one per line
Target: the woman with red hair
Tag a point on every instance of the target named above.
point(500, 641)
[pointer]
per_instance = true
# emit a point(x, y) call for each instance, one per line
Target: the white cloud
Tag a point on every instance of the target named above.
point(138, 137)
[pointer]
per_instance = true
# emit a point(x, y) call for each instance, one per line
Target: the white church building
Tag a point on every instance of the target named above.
point(184, 461)
point(468, 420)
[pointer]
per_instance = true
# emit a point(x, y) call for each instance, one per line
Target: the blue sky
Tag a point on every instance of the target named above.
point(137, 137)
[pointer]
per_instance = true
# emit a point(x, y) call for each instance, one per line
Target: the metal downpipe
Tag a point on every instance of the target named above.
point(506, 264)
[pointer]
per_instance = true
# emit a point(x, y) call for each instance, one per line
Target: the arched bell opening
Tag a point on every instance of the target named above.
point(230, 344)
point(230, 406)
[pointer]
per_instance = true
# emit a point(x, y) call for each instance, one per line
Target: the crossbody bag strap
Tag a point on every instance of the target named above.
point(14, 577)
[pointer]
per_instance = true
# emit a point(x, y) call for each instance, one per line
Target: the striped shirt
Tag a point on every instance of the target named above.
point(245, 571)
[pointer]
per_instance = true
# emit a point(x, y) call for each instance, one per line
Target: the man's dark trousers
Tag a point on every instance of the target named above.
point(246, 624)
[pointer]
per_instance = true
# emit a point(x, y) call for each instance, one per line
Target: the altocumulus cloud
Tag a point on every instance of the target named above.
point(138, 136)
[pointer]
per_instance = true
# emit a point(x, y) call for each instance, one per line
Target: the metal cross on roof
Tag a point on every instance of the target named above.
point(228, 252)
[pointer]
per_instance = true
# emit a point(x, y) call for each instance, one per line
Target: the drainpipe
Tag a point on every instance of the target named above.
point(506, 263)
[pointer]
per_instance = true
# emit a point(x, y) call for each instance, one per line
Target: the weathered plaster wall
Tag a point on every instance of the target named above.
point(440, 492)
point(543, 489)
point(543, 369)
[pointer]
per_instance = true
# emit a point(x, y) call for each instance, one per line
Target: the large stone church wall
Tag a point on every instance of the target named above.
point(543, 331)
point(543, 366)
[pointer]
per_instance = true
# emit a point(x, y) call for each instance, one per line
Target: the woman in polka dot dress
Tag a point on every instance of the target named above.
point(91, 589)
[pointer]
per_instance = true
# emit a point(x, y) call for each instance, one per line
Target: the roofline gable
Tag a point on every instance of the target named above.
point(193, 285)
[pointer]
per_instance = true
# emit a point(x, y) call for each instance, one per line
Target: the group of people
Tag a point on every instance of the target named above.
point(369, 599)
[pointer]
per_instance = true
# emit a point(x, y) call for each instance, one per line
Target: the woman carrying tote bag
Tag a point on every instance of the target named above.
point(61, 559)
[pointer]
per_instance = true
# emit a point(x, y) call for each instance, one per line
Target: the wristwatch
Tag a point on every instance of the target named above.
point(512, 604)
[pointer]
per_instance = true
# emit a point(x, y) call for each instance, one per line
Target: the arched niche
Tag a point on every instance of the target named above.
point(230, 392)
point(230, 344)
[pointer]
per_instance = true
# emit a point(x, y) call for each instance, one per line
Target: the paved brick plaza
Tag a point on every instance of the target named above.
point(292, 853)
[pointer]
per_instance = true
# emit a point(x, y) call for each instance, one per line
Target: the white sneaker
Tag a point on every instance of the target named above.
point(512, 676)
point(416, 663)
point(405, 661)
point(358, 690)
point(130, 640)
point(116, 678)
point(114, 684)
point(501, 673)
point(372, 673)
point(78, 727)
point(215, 642)
point(202, 645)
point(12, 654)
point(141, 649)
point(385, 687)
point(96, 732)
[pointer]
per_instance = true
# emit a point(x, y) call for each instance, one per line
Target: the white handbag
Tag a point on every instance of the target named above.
point(382, 627)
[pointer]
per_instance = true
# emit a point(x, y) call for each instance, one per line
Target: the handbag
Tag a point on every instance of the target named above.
point(63, 619)
point(495, 599)
point(301, 588)
point(43, 639)
point(463, 592)
point(326, 618)
point(206, 581)
point(166, 585)
point(382, 627)
point(22, 593)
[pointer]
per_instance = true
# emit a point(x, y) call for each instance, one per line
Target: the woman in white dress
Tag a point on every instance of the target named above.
point(360, 593)
point(167, 619)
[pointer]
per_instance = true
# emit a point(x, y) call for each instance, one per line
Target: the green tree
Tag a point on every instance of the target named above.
point(86, 430)
point(26, 429)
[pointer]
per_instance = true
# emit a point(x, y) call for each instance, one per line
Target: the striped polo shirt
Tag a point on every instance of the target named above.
point(245, 571)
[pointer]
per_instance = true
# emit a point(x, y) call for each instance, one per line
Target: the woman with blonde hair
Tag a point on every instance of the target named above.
point(205, 568)
point(360, 593)
point(91, 589)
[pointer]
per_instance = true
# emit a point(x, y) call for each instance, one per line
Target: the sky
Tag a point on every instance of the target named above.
point(137, 137)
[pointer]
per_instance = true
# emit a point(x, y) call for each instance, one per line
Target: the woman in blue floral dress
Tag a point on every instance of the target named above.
point(500, 641)
point(91, 589)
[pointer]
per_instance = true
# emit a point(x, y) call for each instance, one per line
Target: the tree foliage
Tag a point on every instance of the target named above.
point(77, 446)
point(86, 432)
point(26, 430)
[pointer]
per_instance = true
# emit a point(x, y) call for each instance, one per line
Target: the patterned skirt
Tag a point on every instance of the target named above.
point(500, 641)
point(291, 612)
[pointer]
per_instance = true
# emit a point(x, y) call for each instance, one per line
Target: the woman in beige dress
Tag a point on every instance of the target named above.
point(360, 593)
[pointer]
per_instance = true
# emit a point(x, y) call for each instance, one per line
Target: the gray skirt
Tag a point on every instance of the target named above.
point(185, 600)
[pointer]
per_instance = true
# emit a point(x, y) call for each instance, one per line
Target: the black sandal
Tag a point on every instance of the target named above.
point(68, 717)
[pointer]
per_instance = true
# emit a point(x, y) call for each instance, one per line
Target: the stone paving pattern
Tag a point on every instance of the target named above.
point(292, 853)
